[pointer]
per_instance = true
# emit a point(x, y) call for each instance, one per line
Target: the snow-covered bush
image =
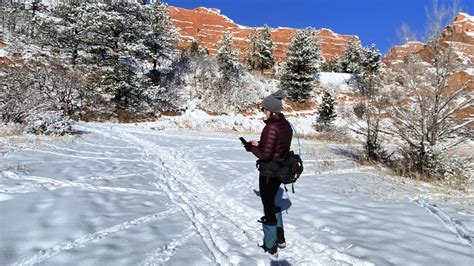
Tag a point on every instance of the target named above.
point(48, 123)
point(248, 92)
point(21, 93)
point(426, 121)
point(368, 122)
point(332, 133)
point(218, 85)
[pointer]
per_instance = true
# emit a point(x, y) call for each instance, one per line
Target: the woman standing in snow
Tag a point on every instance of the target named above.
point(275, 142)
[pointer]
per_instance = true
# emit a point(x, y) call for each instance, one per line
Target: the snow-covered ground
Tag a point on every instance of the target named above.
point(129, 195)
point(343, 81)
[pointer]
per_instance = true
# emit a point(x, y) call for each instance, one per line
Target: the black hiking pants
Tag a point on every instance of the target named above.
point(268, 189)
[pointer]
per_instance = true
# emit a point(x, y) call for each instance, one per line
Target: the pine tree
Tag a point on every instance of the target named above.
point(20, 19)
point(227, 84)
point(194, 49)
point(12, 14)
point(35, 7)
point(161, 39)
point(353, 57)
point(63, 29)
point(370, 71)
point(303, 63)
point(114, 38)
point(228, 57)
point(335, 65)
point(263, 50)
point(319, 58)
point(250, 50)
point(327, 114)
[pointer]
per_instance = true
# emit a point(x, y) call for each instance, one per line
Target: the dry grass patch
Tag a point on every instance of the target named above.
point(10, 130)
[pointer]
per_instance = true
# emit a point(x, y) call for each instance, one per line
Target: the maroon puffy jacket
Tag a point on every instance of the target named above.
point(275, 140)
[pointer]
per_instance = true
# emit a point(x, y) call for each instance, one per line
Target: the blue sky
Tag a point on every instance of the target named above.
point(374, 21)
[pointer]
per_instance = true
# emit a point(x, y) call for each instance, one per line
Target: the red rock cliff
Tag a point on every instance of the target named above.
point(207, 26)
point(460, 34)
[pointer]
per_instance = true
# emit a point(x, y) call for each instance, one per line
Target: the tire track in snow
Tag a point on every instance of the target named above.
point(94, 237)
point(457, 227)
point(303, 250)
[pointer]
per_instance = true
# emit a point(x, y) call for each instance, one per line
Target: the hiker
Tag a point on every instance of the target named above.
point(275, 142)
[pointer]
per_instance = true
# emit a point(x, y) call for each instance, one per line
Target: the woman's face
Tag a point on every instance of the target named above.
point(267, 114)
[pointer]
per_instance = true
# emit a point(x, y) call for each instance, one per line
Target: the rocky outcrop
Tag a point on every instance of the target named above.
point(459, 35)
point(398, 53)
point(208, 25)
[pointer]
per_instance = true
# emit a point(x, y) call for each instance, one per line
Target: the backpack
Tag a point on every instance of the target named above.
point(291, 168)
point(287, 169)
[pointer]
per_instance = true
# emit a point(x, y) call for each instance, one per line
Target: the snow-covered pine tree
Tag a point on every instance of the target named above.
point(196, 50)
point(19, 20)
point(327, 113)
point(160, 40)
point(335, 65)
point(319, 58)
point(303, 63)
point(228, 57)
point(33, 8)
point(114, 38)
point(224, 97)
point(162, 83)
point(353, 56)
point(9, 14)
point(64, 30)
point(250, 49)
point(263, 50)
point(370, 71)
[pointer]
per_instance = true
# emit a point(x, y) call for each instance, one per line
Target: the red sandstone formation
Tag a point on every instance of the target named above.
point(207, 26)
point(460, 35)
point(398, 53)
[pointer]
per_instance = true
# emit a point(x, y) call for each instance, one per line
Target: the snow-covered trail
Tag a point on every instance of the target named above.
point(127, 195)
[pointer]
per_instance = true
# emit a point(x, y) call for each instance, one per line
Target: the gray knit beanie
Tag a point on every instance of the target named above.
point(273, 103)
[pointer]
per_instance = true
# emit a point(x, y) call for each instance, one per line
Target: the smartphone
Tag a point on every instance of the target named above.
point(243, 140)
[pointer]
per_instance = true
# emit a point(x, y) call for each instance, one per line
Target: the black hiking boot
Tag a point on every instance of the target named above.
point(272, 251)
point(281, 243)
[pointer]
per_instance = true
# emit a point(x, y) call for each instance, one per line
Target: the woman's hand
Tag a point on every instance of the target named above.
point(254, 143)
